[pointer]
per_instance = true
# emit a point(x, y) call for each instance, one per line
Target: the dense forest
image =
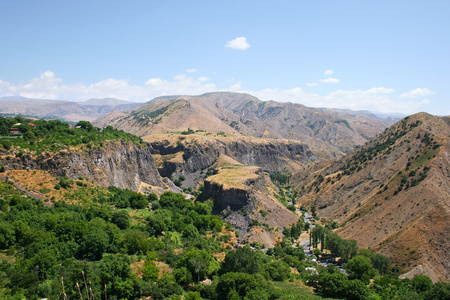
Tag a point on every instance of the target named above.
point(121, 244)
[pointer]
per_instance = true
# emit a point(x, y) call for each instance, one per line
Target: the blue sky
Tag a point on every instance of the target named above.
point(387, 56)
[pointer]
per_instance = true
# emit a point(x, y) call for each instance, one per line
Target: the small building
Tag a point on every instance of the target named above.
point(15, 131)
point(31, 124)
point(312, 271)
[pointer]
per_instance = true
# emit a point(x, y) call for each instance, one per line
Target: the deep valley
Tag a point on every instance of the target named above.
point(204, 196)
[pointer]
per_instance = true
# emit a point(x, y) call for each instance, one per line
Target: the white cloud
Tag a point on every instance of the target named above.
point(377, 99)
point(235, 87)
point(180, 77)
point(191, 70)
point(239, 43)
point(49, 86)
point(312, 84)
point(330, 80)
point(419, 92)
point(328, 72)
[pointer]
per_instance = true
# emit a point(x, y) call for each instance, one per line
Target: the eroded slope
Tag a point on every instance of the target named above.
point(392, 195)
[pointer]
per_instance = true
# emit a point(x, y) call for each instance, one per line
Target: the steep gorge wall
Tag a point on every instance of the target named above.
point(118, 163)
point(231, 198)
point(270, 156)
point(240, 202)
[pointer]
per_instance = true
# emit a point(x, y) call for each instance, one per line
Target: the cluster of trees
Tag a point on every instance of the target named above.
point(364, 284)
point(295, 230)
point(279, 178)
point(83, 251)
point(370, 275)
point(54, 134)
point(87, 251)
point(337, 246)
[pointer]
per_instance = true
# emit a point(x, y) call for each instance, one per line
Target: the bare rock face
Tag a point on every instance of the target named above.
point(231, 198)
point(118, 163)
point(240, 194)
point(189, 154)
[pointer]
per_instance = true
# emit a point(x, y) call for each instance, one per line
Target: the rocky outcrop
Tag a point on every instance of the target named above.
point(118, 163)
point(233, 199)
point(198, 152)
point(240, 193)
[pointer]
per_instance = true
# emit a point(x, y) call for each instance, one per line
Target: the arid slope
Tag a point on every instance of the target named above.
point(328, 133)
point(393, 194)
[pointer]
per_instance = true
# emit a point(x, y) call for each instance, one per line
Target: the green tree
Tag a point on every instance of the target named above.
point(4, 129)
point(138, 201)
point(7, 235)
point(182, 275)
point(198, 262)
point(245, 286)
point(381, 263)
point(168, 285)
point(440, 291)
point(331, 285)
point(359, 266)
point(86, 125)
point(159, 222)
point(116, 276)
point(121, 218)
point(152, 197)
point(94, 243)
point(278, 270)
point(243, 260)
point(422, 283)
point(150, 271)
point(133, 241)
point(355, 290)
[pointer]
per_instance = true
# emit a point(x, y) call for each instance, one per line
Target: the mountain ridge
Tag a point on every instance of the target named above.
point(63, 109)
point(328, 134)
point(391, 195)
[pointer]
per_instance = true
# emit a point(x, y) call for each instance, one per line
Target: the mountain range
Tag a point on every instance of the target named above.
point(62, 109)
point(328, 133)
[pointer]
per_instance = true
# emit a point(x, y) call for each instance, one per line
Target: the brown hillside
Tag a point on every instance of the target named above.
point(393, 194)
point(328, 133)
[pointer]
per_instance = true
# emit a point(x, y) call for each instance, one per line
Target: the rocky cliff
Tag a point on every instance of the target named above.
point(244, 194)
point(118, 163)
point(177, 154)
